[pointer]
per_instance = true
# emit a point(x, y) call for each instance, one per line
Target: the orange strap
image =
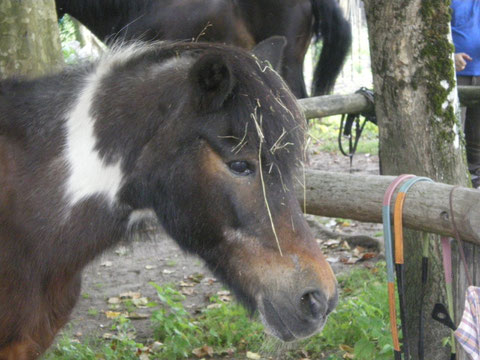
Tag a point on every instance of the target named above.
point(398, 227)
point(393, 316)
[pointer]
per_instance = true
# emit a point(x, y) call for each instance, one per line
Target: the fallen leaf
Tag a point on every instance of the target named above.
point(107, 336)
point(333, 259)
point(112, 314)
point(196, 277)
point(187, 291)
point(346, 348)
point(352, 260)
point(156, 346)
point(203, 351)
point(253, 356)
point(369, 255)
point(359, 251)
point(210, 281)
point(150, 267)
point(214, 306)
point(229, 351)
point(331, 242)
point(140, 302)
point(224, 295)
point(130, 295)
point(167, 272)
point(186, 284)
point(137, 316)
point(122, 250)
point(106, 263)
point(114, 300)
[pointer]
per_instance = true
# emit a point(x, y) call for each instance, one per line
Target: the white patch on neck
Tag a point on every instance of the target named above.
point(89, 174)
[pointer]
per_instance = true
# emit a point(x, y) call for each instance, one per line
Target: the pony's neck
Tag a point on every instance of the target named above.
point(115, 14)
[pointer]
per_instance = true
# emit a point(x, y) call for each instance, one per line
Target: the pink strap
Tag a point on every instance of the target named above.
point(391, 188)
point(447, 259)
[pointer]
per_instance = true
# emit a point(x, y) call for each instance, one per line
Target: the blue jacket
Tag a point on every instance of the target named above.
point(466, 33)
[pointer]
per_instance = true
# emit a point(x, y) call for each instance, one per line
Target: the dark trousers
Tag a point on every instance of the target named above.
point(471, 121)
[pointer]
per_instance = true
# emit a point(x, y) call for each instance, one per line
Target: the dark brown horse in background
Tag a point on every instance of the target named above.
point(242, 23)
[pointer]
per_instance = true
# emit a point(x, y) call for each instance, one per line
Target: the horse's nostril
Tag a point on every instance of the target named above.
point(314, 304)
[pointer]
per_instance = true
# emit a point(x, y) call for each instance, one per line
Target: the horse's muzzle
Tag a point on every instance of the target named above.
point(295, 316)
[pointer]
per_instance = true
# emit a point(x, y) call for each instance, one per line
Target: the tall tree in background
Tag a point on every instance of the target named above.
point(419, 130)
point(29, 38)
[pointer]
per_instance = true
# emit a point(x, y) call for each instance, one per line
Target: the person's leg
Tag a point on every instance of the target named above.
point(472, 138)
point(464, 80)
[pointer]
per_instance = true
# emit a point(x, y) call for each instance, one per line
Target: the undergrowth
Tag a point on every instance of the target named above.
point(357, 329)
point(324, 135)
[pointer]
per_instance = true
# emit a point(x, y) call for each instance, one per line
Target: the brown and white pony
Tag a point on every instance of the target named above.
point(202, 136)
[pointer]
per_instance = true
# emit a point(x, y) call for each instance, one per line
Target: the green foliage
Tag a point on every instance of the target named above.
point(67, 29)
point(228, 326)
point(122, 346)
point(92, 312)
point(361, 319)
point(359, 326)
point(68, 37)
point(173, 326)
point(324, 134)
point(222, 327)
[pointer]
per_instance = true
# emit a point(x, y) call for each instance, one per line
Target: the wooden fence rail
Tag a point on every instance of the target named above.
point(327, 105)
point(360, 197)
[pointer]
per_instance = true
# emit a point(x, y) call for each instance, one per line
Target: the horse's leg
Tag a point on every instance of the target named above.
point(35, 338)
point(292, 73)
point(59, 302)
point(21, 350)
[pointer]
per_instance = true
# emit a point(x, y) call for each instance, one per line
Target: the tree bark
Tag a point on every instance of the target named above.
point(29, 38)
point(414, 81)
point(360, 197)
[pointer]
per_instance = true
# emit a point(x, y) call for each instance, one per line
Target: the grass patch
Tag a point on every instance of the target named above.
point(358, 328)
point(122, 346)
point(324, 134)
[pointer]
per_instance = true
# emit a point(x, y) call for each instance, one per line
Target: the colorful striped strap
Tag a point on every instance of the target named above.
point(399, 261)
point(387, 236)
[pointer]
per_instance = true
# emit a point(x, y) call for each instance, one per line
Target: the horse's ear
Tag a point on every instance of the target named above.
point(212, 81)
point(271, 51)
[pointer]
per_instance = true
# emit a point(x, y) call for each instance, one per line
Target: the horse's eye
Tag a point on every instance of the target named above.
point(240, 168)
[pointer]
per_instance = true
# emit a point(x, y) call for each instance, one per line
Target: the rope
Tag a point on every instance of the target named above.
point(346, 125)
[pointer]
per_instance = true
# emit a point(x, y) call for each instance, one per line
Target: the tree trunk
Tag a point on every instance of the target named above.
point(29, 38)
point(414, 83)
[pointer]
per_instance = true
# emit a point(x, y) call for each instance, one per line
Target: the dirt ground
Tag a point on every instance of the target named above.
point(130, 269)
